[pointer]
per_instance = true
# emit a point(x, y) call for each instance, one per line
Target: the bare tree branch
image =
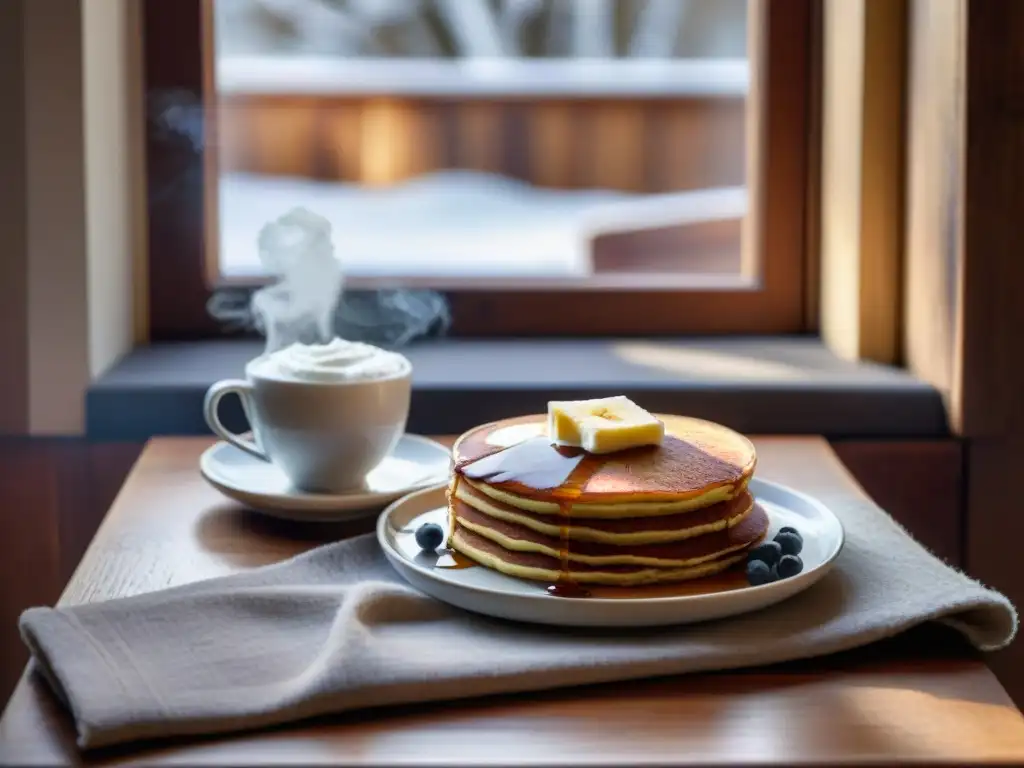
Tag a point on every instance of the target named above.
point(593, 29)
point(406, 16)
point(473, 26)
point(316, 22)
point(513, 15)
point(658, 28)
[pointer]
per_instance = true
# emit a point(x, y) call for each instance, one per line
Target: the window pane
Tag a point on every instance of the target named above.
point(513, 139)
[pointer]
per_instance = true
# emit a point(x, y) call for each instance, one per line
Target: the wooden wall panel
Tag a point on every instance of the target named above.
point(53, 495)
point(921, 484)
point(632, 145)
point(988, 386)
point(30, 562)
point(993, 536)
point(615, 148)
point(714, 137)
point(515, 148)
point(398, 140)
point(551, 144)
point(103, 467)
point(341, 143)
point(479, 136)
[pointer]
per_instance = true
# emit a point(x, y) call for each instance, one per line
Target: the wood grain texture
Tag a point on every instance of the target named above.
point(53, 494)
point(991, 380)
point(933, 179)
point(812, 189)
point(995, 525)
point(289, 125)
point(989, 365)
point(697, 144)
point(30, 570)
point(480, 135)
point(85, 478)
point(925, 701)
point(861, 178)
point(921, 483)
point(637, 145)
point(777, 154)
point(615, 146)
point(894, 704)
point(551, 143)
point(341, 143)
point(399, 140)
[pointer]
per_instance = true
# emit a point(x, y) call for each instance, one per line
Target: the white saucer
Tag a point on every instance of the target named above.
point(488, 592)
point(415, 463)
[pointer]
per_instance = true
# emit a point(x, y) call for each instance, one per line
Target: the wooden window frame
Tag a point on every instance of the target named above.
point(770, 295)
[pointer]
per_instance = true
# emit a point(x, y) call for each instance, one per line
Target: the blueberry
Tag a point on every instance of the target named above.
point(791, 543)
point(768, 553)
point(429, 536)
point(759, 573)
point(789, 529)
point(789, 565)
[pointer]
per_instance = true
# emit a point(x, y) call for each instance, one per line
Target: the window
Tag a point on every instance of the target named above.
point(553, 166)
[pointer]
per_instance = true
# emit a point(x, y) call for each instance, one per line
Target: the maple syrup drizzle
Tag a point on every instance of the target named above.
point(452, 559)
point(567, 589)
point(538, 464)
point(733, 577)
point(534, 463)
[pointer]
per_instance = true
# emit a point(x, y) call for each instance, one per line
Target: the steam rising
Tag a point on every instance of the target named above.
point(300, 306)
point(307, 303)
point(177, 114)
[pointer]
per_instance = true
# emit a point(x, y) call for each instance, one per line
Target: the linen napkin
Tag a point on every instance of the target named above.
point(337, 629)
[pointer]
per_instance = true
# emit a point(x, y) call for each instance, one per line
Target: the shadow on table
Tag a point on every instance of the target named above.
point(703, 706)
point(249, 539)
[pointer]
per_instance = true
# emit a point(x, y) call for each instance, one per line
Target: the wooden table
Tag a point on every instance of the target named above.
point(923, 698)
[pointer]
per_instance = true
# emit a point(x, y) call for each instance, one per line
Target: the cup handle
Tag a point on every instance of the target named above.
point(211, 406)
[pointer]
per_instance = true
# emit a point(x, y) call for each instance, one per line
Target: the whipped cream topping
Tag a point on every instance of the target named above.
point(338, 360)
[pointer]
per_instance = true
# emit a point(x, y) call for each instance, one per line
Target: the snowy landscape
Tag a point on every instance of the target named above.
point(461, 223)
point(455, 223)
point(425, 29)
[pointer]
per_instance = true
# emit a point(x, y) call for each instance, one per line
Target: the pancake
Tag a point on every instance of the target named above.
point(689, 552)
point(630, 530)
point(697, 464)
point(538, 567)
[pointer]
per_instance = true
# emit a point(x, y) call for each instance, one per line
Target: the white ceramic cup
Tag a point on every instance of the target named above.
point(325, 436)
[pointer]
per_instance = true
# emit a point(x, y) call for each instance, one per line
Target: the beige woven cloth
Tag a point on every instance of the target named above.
point(336, 629)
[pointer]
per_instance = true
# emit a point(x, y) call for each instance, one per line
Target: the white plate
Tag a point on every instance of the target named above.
point(494, 594)
point(415, 463)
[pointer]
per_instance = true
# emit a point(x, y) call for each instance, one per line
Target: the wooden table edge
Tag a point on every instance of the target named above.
point(25, 712)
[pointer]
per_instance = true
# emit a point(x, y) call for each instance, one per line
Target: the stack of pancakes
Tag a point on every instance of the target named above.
point(672, 512)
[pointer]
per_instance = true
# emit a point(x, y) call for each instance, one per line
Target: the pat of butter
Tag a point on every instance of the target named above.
point(604, 425)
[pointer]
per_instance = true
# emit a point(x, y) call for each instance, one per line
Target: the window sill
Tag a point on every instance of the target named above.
point(767, 385)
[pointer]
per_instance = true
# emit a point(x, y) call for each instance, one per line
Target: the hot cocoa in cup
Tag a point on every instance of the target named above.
point(326, 414)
